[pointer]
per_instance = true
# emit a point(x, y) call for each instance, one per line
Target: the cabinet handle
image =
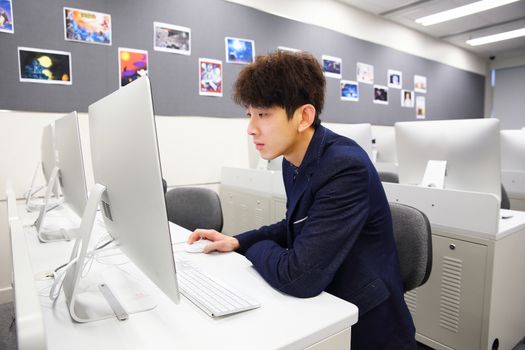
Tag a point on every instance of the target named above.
point(452, 246)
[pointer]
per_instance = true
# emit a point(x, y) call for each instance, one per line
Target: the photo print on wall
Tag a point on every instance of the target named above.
point(365, 73)
point(44, 66)
point(407, 98)
point(349, 90)
point(87, 26)
point(210, 77)
point(332, 66)
point(380, 94)
point(395, 79)
point(6, 17)
point(171, 38)
point(241, 51)
point(132, 64)
point(420, 83)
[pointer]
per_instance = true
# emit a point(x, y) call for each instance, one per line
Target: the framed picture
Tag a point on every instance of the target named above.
point(407, 98)
point(87, 26)
point(240, 51)
point(420, 83)
point(365, 73)
point(284, 48)
point(332, 66)
point(421, 111)
point(380, 94)
point(132, 64)
point(44, 66)
point(349, 90)
point(171, 38)
point(395, 79)
point(6, 16)
point(210, 77)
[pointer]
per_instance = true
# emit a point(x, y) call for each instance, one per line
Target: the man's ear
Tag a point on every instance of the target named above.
point(307, 117)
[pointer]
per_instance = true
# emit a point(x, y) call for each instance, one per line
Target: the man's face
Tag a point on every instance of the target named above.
point(272, 132)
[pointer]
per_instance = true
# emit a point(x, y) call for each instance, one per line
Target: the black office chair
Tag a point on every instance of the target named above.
point(505, 201)
point(386, 176)
point(194, 207)
point(414, 244)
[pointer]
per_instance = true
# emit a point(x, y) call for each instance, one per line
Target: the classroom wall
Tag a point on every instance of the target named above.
point(508, 102)
point(454, 91)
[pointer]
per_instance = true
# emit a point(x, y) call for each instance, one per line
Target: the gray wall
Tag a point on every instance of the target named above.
point(451, 92)
point(508, 99)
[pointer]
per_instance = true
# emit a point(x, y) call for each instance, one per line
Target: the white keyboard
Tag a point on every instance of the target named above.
point(209, 295)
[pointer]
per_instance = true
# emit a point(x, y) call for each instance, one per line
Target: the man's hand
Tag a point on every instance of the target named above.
point(220, 242)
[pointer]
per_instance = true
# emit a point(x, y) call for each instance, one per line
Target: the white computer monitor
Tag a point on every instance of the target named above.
point(68, 173)
point(385, 143)
point(470, 147)
point(46, 165)
point(47, 151)
point(71, 175)
point(512, 150)
point(127, 171)
point(360, 133)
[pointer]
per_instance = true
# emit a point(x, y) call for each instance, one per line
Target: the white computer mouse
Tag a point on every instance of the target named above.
point(197, 246)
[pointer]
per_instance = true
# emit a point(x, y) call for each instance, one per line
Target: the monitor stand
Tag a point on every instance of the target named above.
point(114, 292)
point(52, 234)
point(32, 202)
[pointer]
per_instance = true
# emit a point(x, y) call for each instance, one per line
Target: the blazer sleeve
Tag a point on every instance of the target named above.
point(336, 217)
point(275, 233)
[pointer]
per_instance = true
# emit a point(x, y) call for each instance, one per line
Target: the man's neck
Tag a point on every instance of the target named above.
point(296, 156)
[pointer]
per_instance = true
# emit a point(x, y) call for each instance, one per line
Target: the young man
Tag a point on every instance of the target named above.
point(337, 236)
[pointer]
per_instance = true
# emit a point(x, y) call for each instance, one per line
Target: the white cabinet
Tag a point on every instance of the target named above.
point(448, 309)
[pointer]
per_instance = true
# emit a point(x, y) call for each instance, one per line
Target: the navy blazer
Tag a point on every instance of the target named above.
point(337, 237)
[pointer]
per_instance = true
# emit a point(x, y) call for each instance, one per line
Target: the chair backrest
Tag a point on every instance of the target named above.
point(194, 207)
point(414, 244)
point(386, 176)
point(505, 201)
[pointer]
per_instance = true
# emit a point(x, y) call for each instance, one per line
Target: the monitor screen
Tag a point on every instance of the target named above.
point(69, 154)
point(512, 150)
point(126, 161)
point(360, 133)
point(470, 147)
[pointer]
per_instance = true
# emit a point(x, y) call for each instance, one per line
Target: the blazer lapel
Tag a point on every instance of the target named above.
point(295, 190)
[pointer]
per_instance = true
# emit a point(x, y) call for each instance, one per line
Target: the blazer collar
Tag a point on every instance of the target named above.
point(294, 189)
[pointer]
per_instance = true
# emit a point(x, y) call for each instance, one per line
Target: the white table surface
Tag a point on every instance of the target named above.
point(282, 321)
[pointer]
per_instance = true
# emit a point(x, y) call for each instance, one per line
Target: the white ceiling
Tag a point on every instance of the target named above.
point(456, 32)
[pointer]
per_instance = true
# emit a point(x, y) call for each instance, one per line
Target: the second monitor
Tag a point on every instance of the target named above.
point(470, 147)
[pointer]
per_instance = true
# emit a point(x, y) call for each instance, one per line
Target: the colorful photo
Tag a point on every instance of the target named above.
point(44, 66)
point(132, 64)
point(349, 90)
point(365, 73)
point(210, 77)
point(407, 98)
point(6, 16)
point(87, 26)
point(421, 111)
point(240, 51)
point(395, 79)
point(332, 66)
point(171, 38)
point(380, 94)
point(420, 83)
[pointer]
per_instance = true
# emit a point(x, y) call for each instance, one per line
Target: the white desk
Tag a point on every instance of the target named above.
point(323, 322)
point(475, 295)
